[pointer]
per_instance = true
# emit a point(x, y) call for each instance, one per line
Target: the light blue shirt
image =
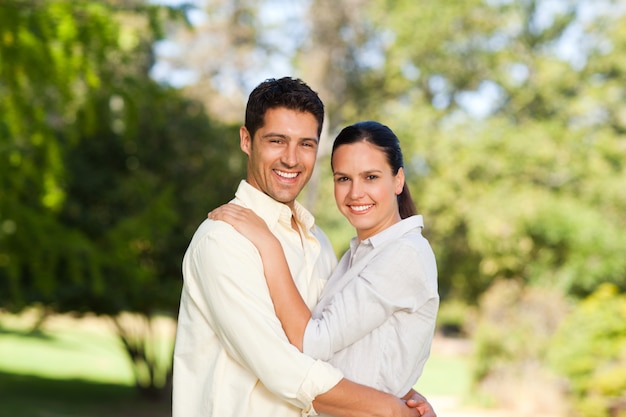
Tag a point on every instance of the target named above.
point(375, 319)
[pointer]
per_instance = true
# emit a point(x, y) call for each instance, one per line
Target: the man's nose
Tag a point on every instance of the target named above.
point(290, 156)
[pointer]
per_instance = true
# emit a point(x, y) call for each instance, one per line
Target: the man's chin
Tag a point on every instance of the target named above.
point(287, 199)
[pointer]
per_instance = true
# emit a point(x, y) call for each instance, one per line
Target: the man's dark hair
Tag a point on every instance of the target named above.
point(287, 92)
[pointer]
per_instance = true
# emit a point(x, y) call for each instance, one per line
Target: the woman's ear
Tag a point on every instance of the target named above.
point(400, 180)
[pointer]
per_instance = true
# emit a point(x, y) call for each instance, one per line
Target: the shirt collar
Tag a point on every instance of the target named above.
point(271, 210)
point(392, 232)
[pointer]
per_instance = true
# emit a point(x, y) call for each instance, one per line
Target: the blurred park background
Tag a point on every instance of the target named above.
point(118, 133)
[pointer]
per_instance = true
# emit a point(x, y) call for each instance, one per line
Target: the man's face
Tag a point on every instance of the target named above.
point(281, 156)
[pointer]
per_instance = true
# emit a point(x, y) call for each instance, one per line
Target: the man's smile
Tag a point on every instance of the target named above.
point(288, 175)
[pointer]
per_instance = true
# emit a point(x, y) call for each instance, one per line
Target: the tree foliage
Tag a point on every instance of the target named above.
point(511, 114)
point(590, 350)
point(105, 173)
point(55, 57)
point(515, 149)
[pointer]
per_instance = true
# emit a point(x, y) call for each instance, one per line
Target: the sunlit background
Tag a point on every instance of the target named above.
point(119, 132)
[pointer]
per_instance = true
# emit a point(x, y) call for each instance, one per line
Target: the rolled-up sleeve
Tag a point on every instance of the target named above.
point(229, 286)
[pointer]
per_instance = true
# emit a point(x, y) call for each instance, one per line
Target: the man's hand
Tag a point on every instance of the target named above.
point(416, 400)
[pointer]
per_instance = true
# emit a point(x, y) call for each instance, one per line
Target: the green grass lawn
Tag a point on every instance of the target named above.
point(70, 368)
point(33, 396)
point(445, 375)
point(68, 354)
point(73, 369)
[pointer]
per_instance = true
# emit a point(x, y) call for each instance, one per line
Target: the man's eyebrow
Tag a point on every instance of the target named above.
point(283, 136)
point(275, 135)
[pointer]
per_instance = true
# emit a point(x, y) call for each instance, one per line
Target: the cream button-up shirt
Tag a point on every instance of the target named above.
point(232, 358)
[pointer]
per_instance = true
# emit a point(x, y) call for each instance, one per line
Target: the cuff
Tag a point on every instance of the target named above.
point(321, 378)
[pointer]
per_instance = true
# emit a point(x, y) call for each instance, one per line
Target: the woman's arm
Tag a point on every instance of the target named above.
point(290, 308)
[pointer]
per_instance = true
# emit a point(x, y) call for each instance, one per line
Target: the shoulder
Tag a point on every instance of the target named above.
point(210, 228)
point(407, 245)
point(216, 233)
point(219, 256)
point(409, 256)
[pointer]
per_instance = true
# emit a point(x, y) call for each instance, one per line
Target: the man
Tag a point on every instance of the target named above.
point(232, 358)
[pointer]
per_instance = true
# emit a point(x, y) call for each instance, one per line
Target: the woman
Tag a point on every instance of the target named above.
point(376, 316)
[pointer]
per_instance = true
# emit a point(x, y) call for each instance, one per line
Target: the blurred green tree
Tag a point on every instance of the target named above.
point(511, 114)
point(512, 117)
point(137, 191)
point(590, 350)
point(516, 148)
point(104, 173)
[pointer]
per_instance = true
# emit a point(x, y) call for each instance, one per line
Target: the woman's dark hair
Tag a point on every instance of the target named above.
point(287, 92)
point(383, 138)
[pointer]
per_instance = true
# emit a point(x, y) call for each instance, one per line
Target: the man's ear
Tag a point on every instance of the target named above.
point(245, 141)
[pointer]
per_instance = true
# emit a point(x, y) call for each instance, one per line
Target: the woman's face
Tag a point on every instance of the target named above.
point(365, 188)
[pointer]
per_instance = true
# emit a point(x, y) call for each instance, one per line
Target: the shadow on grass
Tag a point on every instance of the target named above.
point(34, 396)
point(34, 333)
